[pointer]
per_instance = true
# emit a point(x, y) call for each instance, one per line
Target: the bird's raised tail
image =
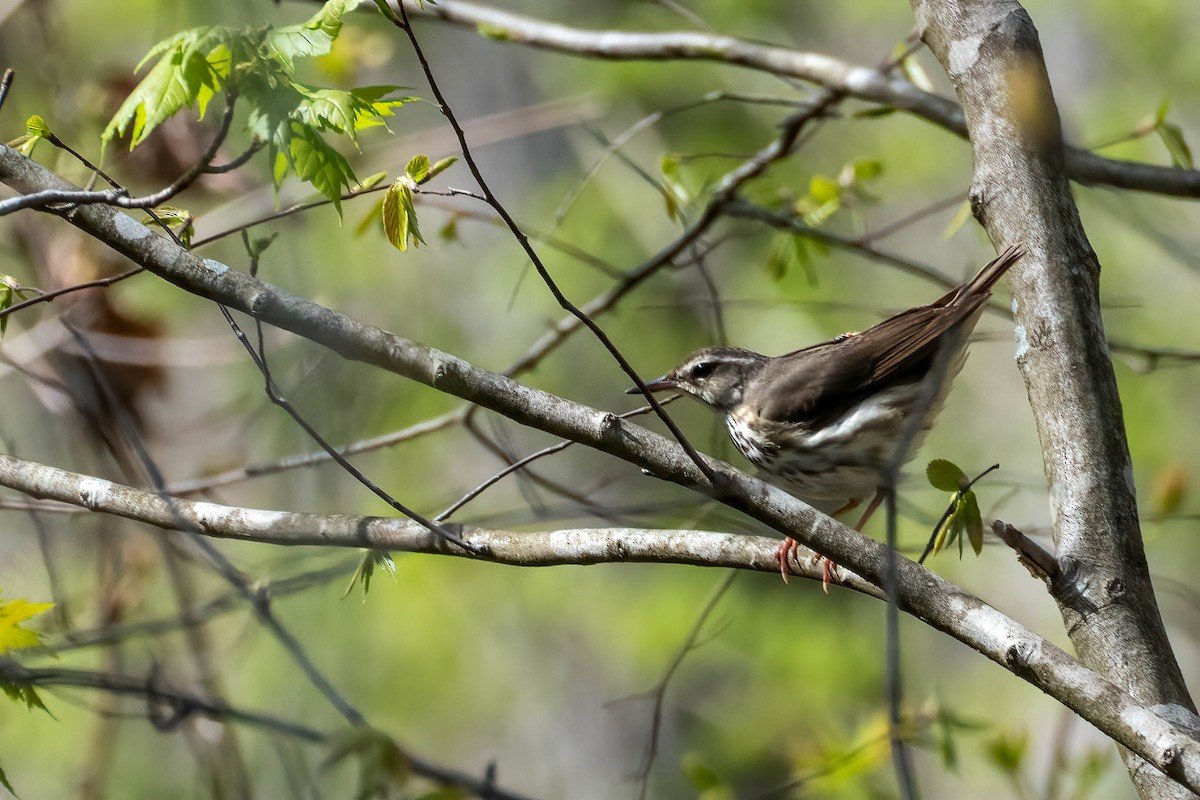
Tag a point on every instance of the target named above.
point(992, 272)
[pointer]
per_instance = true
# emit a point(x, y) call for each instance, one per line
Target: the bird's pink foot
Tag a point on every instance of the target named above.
point(785, 553)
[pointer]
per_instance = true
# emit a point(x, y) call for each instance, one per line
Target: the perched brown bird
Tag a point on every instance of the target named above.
point(825, 422)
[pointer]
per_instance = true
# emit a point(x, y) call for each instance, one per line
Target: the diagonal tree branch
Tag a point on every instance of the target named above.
point(864, 83)
point(936, 601)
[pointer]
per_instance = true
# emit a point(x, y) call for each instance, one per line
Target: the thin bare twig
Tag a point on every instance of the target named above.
point(300, 460)
point(924, 212)
point(46, 297)
point(613, 146)
point(529, 459)
point(223, 566)
point(119, 196)
point(277, 397)
point(793, 224)
point(405, 25)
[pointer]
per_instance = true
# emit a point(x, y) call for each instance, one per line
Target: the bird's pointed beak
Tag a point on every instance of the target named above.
point(656, 385)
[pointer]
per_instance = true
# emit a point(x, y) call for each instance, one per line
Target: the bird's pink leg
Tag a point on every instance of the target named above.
point(850, 506)
point(788, 546)
point(874, 504)
point(866, 515)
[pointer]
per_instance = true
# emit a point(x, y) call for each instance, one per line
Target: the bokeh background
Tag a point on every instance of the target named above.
point(544, 671)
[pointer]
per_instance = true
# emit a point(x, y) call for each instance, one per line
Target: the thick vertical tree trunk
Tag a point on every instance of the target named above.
point(1021, 194)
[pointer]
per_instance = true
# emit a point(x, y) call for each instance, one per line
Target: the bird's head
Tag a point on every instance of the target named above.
point(716, 376)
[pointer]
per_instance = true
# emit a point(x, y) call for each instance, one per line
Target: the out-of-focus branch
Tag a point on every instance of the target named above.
point(865, 83)
point(744, 209)
point(1142, 358)
point(301, 460)
point(195, 615)
point(659, 692)
point(170, 707)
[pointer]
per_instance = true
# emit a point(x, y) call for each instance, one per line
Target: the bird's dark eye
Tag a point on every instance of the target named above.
point(701, 369)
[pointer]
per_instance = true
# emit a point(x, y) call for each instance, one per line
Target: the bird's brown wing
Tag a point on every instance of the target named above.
point(910, 338)
point(913, 334)
point(809, 384)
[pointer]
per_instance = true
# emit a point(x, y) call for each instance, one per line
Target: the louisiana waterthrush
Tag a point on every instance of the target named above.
point(828, 422)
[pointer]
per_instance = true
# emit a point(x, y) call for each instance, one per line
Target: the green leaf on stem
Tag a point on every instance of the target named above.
point(400, 215)
point(945, 475)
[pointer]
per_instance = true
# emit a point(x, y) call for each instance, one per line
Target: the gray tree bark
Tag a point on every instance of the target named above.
point(1021, 194)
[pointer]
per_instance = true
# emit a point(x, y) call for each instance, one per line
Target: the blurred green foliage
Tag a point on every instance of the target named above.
point(542, 670)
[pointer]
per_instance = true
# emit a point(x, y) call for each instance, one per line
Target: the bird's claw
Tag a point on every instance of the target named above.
point(782, 554)
point(826, 572)
point(787, 549)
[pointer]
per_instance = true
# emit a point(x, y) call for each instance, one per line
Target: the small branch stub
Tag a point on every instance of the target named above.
point(1040, 563)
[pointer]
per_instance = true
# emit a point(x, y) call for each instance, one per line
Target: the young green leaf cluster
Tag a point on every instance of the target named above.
point(962, 515)
point(12, 614)
point(399, 214)
point(826, 197)
point(257, 66)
